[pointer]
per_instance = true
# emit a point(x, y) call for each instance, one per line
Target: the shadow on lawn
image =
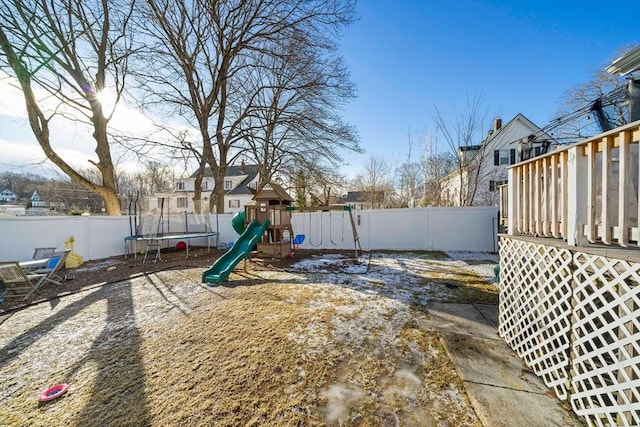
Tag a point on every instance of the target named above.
point(117, 392)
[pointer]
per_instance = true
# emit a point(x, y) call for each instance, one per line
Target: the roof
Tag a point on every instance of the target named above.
point(358, 196)
point(249, 171)
point(495, 134)
point(273, 191)
point(627, 63)
point(469, 147)
point(233, 170)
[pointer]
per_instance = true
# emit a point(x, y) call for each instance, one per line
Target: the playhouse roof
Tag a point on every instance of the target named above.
point(272, 191)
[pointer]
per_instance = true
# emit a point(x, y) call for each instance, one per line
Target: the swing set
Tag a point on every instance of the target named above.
point(335, 237)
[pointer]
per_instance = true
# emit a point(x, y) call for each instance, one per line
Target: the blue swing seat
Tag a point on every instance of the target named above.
point(298, 240)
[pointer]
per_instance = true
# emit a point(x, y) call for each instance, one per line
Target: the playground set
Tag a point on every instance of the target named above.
point(266, 229)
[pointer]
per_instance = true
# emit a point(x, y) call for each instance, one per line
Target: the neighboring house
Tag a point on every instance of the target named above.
point(486, 164)
point(38, 204)
point(363, 200)
point(240, 185)
point(8, 196)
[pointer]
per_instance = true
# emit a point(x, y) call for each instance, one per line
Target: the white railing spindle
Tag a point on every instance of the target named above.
point(599, 204)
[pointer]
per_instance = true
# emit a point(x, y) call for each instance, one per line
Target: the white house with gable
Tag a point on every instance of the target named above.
point(485, 164)
point(240, 184)
point(8, 196)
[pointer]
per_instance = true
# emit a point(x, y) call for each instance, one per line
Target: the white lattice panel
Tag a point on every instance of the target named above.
point(605, 374)
point(535, 308)
point(575, 320)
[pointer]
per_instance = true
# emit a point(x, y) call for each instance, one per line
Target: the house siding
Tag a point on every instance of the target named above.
point(243, 181)
point(491, 171)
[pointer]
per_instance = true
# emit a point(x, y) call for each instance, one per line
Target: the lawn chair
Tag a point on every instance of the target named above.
point(49, 273)
point(15, 282)
point(42, 253)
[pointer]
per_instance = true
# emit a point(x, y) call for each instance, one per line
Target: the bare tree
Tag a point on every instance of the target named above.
point(21, 184)
point(409, 179)
point(315, 184)
point(463, 136)
point(435, 166)
point(293, 120)
point(154, 178)
point(205, 52)
point(69, 51)
point(409, 183)
point(593, 107)
point(374, 182)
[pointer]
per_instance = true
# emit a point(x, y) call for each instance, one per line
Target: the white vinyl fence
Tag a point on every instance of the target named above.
point(455, 229)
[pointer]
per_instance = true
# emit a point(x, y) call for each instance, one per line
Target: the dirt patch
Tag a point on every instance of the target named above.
point(118, 268)
point(276, 345)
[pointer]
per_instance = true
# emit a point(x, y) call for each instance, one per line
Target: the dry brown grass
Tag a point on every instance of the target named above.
point(269, 348)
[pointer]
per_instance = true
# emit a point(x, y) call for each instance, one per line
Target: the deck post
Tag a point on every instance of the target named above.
point(577, 195)
point(512, 209)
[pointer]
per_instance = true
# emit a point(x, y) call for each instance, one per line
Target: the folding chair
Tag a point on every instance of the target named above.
point(16, 282)
point(49, 274)
point(42, 253)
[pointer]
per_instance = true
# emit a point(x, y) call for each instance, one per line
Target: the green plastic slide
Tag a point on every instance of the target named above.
point(222, 268)
point(238, 222)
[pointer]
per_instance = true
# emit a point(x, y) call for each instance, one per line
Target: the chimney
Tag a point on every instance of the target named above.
point(497, 124)
point(242, 166)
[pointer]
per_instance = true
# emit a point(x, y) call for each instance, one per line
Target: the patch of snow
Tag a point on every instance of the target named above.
point(483, 265)
point(331, 262)
point(339, 399)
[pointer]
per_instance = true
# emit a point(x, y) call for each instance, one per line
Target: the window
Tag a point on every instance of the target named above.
point(504, 157)
point(234, 203)
point(180, 185)
point(494, 185)
point(183, 202)
point(228, 184)
point(205, 185)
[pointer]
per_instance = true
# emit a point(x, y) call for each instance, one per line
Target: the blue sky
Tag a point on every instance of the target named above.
point(408, 57)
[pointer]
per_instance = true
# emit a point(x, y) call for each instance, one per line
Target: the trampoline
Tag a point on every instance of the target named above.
point(155, 241)
point(154, 230)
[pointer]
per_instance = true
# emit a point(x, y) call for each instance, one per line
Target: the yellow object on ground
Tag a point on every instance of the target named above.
point(73, 259)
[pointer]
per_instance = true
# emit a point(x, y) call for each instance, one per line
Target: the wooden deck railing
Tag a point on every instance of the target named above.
point(585, 192)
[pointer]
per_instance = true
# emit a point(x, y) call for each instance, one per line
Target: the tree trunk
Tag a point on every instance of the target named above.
point(109, 189)
point(39, 124)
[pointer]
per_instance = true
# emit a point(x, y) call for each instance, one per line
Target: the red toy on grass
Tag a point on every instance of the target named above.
point(53, 392)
